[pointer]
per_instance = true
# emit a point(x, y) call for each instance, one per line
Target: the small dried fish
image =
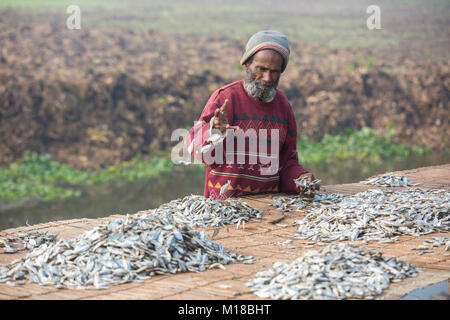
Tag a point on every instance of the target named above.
point(285, 243)
point(204, 212)
point(127, 249)
point(307, 186)
point(300, 202)
point(390, 180)
point(434, 242)
point(225, 187)
point(215, 138)
point(215, 233)
point(338, 271)
point(378, 215)
point(29, 240)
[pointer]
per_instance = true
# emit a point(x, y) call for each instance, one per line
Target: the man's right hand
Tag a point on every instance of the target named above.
point(310, 178)
point(220, 118)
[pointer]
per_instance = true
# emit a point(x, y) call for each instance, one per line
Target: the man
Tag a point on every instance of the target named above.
point(255, 116)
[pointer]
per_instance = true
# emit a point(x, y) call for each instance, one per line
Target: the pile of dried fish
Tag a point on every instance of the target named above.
point(338, 271)
point(378, 215)
point(390, 180)
point(29, 240)
point(307, 186)
point(300, 202)
point(434, 242)
point(204, 212)
point(127, 249)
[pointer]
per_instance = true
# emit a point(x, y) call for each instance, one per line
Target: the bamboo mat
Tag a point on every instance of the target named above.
point(260, 238)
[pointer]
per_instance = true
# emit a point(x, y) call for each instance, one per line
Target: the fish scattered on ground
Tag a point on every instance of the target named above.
point(338, 271)
point(29, 240)
point(205, 212)
point(434, 242)
point(299, 202)
point(133, 248)
point(378, 215)
point(285, 243)
point(390, 180)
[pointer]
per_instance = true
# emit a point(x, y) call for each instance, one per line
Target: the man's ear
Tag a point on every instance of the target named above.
point(245, 66)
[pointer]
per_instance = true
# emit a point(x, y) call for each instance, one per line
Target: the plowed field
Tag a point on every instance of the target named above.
point(118, 87)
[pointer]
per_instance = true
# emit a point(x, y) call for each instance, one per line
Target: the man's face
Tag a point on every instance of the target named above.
point(263, 74)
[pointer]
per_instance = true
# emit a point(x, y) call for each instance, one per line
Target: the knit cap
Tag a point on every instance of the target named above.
point(267, 39)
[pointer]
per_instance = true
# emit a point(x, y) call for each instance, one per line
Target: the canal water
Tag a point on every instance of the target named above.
point(122, 198)
point(430, 292)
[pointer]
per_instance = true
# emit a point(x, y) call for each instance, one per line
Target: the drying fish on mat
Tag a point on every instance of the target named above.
point(434, 242)
point(390, 180)
point(284, 243)
point(308, 186)
point(29, 240)
point(241, 223)
point(338, 271)
point(127, 249)
point(225, 187)
point(378, 215)
point(215, 233)
point(299, 202)
point(204, 212)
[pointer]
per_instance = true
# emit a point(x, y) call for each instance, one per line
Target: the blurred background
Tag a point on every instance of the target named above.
point(86, 115)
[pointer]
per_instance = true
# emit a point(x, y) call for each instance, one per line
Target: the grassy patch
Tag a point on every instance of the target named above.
point(40, 176)
point(363, 145)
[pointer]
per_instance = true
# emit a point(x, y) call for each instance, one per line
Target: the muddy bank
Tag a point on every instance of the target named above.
point(97, 96)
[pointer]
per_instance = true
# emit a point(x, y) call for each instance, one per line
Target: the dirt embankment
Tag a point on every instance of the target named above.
point(94, 97)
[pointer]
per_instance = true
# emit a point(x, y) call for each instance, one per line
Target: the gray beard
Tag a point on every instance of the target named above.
point(255, 89)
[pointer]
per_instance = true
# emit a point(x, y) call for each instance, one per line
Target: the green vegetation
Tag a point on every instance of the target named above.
point(363, 145)
point(367, 63)
point(42, 177)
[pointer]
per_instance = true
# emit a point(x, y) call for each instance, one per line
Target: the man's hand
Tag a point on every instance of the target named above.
point(220, 118)
point(310, 178)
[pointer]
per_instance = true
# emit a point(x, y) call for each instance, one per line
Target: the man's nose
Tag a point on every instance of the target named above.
point(267, 77)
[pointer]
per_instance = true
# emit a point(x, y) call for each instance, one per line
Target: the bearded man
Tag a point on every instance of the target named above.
point(252, 105)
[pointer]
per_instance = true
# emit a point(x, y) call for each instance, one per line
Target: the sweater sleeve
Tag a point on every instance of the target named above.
point(290, 167)
point(196, 140)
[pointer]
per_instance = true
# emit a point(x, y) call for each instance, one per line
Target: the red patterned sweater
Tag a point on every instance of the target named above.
point(247, 176)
